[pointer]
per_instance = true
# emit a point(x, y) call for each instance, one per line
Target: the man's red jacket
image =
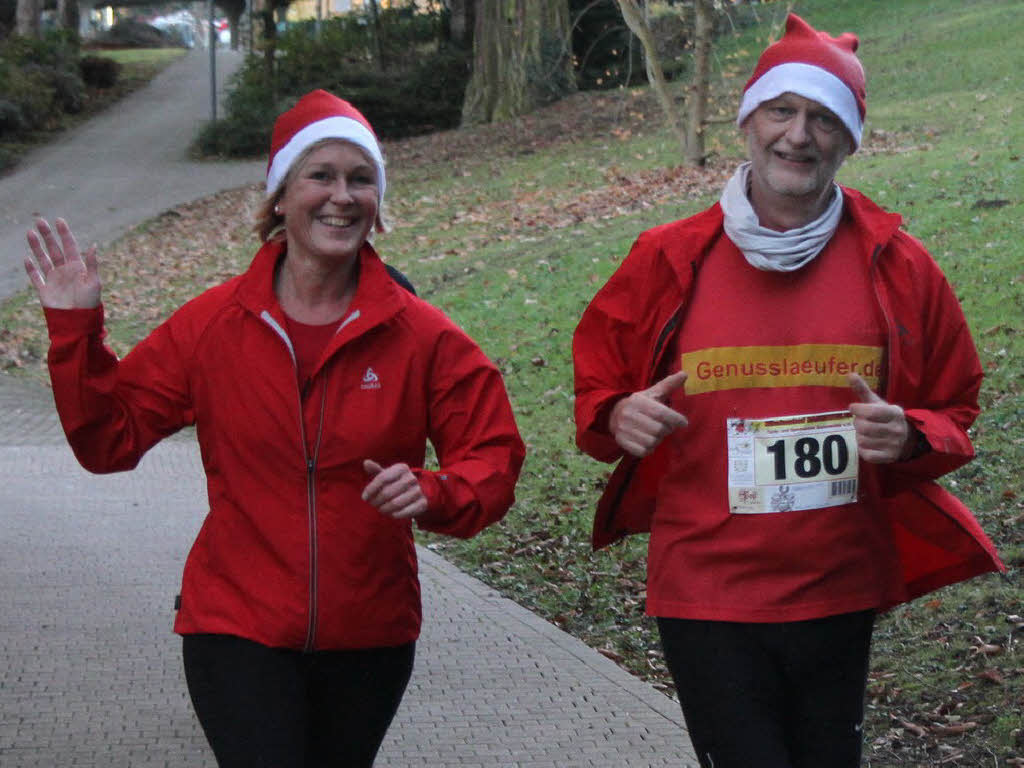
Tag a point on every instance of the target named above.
point(933, 372)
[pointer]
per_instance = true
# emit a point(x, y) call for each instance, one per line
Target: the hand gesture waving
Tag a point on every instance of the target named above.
point(62, 278)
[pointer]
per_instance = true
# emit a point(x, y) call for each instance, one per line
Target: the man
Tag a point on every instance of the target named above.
point(719, 364)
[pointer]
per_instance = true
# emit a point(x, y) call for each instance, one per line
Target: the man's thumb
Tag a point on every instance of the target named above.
point(668, 385)
point(372, 468)
point(862, 390)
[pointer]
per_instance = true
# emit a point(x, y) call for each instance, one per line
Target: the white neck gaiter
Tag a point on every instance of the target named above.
point(765, 248)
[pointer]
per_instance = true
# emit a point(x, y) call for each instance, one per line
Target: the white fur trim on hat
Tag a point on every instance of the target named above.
point(812, 83)
point(344, 128)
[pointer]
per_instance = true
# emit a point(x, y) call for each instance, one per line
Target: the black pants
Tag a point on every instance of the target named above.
point(279, 708)
point(785, 695)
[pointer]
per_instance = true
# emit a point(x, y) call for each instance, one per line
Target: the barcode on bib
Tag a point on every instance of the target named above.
point(843, 487)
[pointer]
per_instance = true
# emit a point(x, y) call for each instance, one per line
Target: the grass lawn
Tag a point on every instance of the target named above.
point(153, 59)
point(512, 228)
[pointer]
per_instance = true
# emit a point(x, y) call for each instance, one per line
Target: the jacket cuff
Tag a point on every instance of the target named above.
point(64, 323)
point(930, 460)
point(593, 435)
point(602, 419)
point(434, 491)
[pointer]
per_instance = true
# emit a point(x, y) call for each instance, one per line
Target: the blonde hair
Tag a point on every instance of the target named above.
point(269, 224)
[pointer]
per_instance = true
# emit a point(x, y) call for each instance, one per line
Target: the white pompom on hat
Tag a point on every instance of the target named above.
point(816, 66)
point(317, 116)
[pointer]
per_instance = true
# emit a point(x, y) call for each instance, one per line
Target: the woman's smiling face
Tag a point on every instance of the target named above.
point(330, 203)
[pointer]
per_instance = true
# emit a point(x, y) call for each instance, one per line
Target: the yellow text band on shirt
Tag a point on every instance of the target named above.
point(799, 365)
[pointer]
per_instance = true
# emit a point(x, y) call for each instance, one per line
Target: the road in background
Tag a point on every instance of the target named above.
point(122, 167)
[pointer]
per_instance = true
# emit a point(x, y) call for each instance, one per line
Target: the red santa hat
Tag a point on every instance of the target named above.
point(316, 116)
point(816, 66)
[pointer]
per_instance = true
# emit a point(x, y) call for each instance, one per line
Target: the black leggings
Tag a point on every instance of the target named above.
point(784, 695)
point(280, 708)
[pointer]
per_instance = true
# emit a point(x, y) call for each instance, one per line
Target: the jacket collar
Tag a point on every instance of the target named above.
point(377, 298)
point(687, 250)
point(876, 225)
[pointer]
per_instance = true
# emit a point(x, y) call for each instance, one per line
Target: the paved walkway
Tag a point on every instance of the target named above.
point(126, 165)
point(90, 672)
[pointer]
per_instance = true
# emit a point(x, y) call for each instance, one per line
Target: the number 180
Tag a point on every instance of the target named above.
point(810, 457)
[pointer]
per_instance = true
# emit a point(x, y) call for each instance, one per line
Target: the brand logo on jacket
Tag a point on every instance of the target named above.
point(370, 380)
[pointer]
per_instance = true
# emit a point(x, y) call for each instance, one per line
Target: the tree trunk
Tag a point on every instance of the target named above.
point(376, 51)
point(26, 20)
point(460, 26)
point(68, 16)
point(264, 11)
point(633, 15)
point(233, 9)
point(698, 101)
point(521, 58)
point(234, 20)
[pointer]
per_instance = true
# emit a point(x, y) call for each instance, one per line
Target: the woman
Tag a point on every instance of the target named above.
point(314, 381)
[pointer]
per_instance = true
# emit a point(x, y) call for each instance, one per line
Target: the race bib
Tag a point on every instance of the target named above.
point(792, 462)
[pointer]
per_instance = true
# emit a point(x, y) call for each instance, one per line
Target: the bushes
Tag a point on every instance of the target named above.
point(420, 90)
point(40, 82)
point(421, 97)
point(130, 33)
point(605, 52)
point(28, 89)
point(99, 72)
point(607, 55)
point(69, 89)
point(11, 118)
point(251, 110)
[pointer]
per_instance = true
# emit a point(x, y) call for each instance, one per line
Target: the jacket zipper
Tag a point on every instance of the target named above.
point(659, 344)
point(310, 461)
point(890, 329)
point(311, 508)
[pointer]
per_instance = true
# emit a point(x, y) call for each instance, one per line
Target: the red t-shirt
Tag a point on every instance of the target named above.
point(309, 343)
point(760, 344)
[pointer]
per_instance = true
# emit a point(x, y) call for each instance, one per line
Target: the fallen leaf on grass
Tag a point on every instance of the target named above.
point(992, 675)
point(608, 653)
point(914, 728)
point(982, 648)
point(956, 729)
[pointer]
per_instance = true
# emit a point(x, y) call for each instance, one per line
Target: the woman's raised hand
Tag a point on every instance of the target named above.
point(63, 278)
